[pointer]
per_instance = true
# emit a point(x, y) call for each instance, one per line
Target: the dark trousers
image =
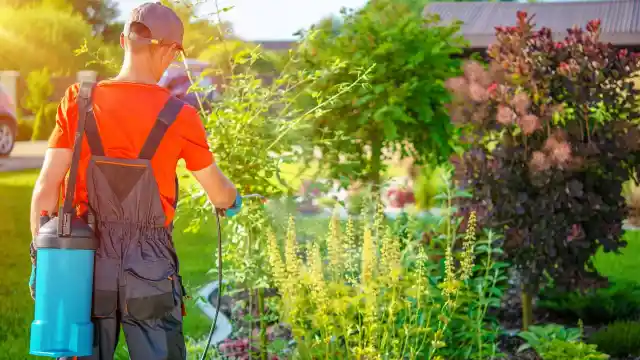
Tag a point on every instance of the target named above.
point(153, 339)
point(157, 339)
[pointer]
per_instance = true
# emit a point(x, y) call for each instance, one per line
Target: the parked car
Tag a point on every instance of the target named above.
point(8, 124)
point(176, 79)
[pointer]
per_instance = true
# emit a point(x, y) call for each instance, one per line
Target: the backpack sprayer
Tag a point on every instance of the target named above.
point(65, 248)
point(64, 277)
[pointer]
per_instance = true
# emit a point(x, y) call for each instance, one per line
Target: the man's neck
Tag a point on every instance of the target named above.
point(136, 74)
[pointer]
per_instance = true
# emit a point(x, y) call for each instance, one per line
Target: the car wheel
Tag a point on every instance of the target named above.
point(7, 137)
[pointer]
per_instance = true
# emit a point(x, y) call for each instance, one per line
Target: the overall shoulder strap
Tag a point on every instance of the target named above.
point(84, 102)
point(165, 119)
point(91, 130)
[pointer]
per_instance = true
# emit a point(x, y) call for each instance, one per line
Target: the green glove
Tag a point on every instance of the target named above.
point(235, 208)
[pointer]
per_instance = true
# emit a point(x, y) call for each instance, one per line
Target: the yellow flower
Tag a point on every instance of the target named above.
point(334, 245)
point(293, 263)
point(350, 243)
point(368, 256)
point(318, 286)
point(390, 258)
point(468, 256)
point(437, 340)
point(277, 265)
point(450, 287)
point(350, 247)
point(449, 271)
point(378, 220)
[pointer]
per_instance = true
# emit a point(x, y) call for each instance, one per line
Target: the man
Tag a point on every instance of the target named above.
point(135, 133)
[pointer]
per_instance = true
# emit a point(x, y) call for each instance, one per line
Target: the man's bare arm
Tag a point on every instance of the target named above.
point(47, 189)
point(220, 190)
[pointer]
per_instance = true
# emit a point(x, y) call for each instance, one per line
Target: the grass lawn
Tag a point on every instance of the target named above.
point(624, 267)
point(16, 308)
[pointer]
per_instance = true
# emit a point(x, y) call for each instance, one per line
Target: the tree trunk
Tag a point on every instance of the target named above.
point(376, 159)
point(527, 310)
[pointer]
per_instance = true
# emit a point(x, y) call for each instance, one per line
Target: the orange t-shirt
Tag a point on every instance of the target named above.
point(125, 113)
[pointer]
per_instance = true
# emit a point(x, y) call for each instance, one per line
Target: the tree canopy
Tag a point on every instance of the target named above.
point(403, 107)
point(26, 47)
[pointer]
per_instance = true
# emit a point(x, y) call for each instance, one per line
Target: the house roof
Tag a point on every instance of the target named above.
point(620, 19)
point(276, 45)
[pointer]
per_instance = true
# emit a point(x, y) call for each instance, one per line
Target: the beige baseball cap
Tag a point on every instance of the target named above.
point(164, 24)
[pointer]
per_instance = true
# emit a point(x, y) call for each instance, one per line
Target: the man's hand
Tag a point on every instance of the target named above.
point(234, 209)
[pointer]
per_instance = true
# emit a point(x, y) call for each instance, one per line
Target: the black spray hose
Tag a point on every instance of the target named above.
point(219, 297)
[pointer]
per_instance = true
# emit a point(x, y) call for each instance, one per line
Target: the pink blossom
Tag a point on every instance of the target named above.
point(529, 124)
point(539, 161)
point(456, 84)
point(505, 115)
point(593, 25)
point(521, 103)
point(478, 93)
point(492, 89)
point(561, 153)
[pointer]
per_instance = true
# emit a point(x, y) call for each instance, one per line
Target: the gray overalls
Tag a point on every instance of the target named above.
point(136, 281)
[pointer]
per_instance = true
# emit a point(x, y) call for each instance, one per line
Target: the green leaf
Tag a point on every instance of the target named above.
point(464, 194)
point(390, 130)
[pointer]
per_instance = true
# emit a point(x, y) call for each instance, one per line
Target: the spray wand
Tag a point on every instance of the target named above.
point(219, 212)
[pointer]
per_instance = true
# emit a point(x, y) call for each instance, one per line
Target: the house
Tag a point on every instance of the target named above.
point(620, 19)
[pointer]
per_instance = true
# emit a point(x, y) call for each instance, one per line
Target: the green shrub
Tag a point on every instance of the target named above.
point(555, 342)
point(431, 181)
point(539, 335)
point(45, 122)
point(621, 338)
point(558, 349)
point(38, 100)
point(601, 306)
point(25, 131)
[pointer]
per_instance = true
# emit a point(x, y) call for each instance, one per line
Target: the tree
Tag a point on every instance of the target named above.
point(240, 57)
point(553, 134)
point(199, 33)
point(27, 47)
point(402, 108)
point(99, 14)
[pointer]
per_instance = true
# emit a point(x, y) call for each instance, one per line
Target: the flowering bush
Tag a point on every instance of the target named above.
point(375, 296)
point(552, 134)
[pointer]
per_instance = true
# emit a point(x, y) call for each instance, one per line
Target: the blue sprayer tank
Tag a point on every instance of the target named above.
point(63, 290)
